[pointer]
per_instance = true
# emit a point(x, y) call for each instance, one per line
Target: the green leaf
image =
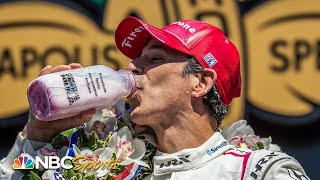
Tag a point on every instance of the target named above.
point(68, 132)
point(34, 176)
point(57, 141)
point(114, 156)
point(68, 162)
point(107, 138)
point(260, 144)
point(81, 139)
point(111, 175)
point(71, 173)
point(92, 142)
point(121, 124)
point(90, 176)
point(68, 173)
point(65, 173)
point(77, 176)
point(100, 143)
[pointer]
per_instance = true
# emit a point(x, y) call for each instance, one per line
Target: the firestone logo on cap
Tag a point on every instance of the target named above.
point(186, 26)
point(131, 37)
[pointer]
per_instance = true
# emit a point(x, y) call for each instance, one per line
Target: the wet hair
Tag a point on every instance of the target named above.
point(212, 100)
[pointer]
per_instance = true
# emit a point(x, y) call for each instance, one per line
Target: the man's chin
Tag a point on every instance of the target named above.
point(136, 116)
point(139, 121)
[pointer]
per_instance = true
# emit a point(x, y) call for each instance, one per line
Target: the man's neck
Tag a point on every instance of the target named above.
point(187, 131)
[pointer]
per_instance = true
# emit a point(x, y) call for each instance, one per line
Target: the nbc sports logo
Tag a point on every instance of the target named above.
point(24, 161)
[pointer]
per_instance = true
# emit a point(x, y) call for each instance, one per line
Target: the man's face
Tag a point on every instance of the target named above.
point(161, 90)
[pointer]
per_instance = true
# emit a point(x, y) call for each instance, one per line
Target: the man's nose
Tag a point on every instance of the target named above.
point(135, 70)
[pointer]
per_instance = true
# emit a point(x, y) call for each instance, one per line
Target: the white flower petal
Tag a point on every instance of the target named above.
point(266, 142)
point(274, 148)
point(101, 172)
point(125, 134)
point(99, 151)
point(105, 154)
point(252, 144)
point(139, 149)
point(96, 117)
point(225, 132)
point(121, 155)
point(110, 123)
point(114, 141)
point(237, 129)
point(86, 151)
point(236, 141)
point(125, 162)
point(248, 130)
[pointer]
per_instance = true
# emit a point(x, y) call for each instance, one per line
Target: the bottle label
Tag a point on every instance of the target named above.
point(70, 87)
point(102, 82)
point(95, 83)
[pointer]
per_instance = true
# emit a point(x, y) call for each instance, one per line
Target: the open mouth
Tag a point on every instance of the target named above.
point(134, 100)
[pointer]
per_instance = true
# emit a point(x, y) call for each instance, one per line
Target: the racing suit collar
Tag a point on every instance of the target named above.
point(191, 158)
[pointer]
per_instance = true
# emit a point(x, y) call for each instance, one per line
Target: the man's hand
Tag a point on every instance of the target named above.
point(44, 131)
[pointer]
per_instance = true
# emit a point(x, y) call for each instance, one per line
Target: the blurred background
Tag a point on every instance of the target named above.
point(279, 43)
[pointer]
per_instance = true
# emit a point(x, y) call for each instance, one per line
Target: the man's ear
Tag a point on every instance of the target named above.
point(206, 80)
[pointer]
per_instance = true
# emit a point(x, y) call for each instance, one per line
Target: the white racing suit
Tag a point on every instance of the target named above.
point(217, 159)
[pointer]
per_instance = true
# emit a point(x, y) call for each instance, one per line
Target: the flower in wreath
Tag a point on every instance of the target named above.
point(242, 135)
point(127, 149)
point(105, 121)
point(101, 124)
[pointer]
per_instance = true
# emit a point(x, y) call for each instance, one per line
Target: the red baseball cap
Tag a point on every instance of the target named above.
point(205, 42)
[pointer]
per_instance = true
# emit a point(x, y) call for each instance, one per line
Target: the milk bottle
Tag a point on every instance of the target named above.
point(67, 93)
